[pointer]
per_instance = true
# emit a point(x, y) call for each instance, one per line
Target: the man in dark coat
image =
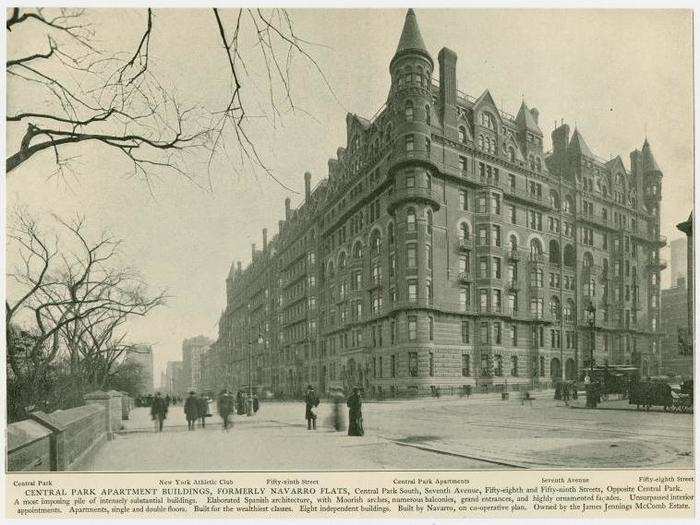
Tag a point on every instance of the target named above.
point(225, 407)
point(159, 411)
point(240, 403)
point(355, 427)
point(312, 401)
point(203, 406)
point(191, 410)
point(256, 403)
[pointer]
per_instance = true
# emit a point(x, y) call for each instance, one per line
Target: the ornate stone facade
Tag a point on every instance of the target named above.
point(446, 248)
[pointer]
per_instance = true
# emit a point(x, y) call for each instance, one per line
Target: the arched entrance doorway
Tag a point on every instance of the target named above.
point(570, 369)
point(555, 369)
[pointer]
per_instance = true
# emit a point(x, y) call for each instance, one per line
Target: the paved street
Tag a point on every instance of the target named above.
point(482, 432)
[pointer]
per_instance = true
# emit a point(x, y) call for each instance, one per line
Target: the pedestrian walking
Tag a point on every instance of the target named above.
point(225, 407)
point(312, 401)
point(337, 421)
point(256, 403)
point(355, 426)
point(565, 393)
point(191, 410)
point(159, 411)
point(203, 406)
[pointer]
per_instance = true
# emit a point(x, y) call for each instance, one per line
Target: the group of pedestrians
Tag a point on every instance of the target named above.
point(196, 408)
point(353, 402)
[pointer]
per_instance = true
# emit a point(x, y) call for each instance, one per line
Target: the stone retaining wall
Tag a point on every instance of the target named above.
point(64, 439)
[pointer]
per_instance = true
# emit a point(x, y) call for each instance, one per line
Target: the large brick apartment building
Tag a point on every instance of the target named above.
point(446, 248)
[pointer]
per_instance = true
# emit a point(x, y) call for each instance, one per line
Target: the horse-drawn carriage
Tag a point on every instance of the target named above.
point(656, 391)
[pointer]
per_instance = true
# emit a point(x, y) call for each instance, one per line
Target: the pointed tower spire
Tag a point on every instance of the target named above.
point(648, 161)
point(411, 40)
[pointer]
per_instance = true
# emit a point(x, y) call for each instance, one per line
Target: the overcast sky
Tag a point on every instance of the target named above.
point(617, 75)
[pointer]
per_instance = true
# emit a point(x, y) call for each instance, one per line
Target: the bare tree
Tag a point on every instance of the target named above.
point(70, 299)
point(114, 99)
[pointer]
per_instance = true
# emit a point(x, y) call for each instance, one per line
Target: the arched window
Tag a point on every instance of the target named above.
point(464, 231)
point(341, 261)
point(429, 221)
point(555, 307)
point(480, 142)
point(462, 134)
point(331, 271)
point(568, 204)
point(569, 256)
point(428, 180)
point(554, 253)
point(511, 154)
point(427, 115)
point(390, 233)
point(375, 242)
point(532, 162)
point(409, 111)
point(554, 200)
point(569, 310)
point(587, 261)
point(538, 164)
point(535, 247)
point(357, 250)
point(410, 220)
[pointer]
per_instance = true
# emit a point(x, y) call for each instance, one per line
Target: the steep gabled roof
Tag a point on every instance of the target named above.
point(579, 144)
point(526, 120)
point(616, 164)
point(486, 98)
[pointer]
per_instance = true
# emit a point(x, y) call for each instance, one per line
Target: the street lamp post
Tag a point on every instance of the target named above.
point(249, 404)
point(590, 394)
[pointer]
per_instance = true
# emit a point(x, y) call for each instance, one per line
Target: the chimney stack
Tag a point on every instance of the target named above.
point(252, 251)
point(448, 91)
point(238, 265)
point(287, 208)
point(264, 239)
point(307, 186)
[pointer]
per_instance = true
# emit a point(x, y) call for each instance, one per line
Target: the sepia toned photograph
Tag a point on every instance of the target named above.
point(328, 240)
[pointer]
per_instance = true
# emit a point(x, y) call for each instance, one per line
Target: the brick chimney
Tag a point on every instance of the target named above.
point(264, 239)
point(307, 186)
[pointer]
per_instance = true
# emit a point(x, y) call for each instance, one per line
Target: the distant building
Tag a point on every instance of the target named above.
point(193, 351)
point(679, 260)
point(676, 344)
point(143, 355)
point(173, 374)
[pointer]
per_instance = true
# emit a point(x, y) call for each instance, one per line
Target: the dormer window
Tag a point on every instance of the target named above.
point(488, 121)
point(462, 134)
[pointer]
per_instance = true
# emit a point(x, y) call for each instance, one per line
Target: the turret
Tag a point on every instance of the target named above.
point(411, 73)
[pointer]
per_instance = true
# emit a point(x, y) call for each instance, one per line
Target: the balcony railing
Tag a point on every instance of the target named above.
point(427, 196)
point(464, 244)
point(465, 277)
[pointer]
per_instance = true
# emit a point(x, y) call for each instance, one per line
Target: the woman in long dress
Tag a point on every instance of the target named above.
point(354, 403)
